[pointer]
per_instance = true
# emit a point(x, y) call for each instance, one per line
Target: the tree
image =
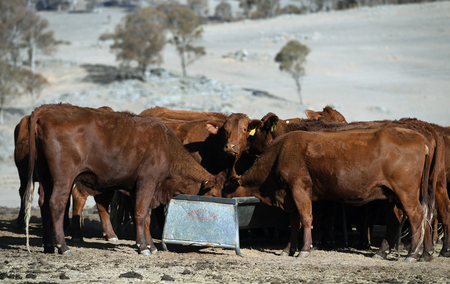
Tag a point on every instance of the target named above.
point(140, 38)
point(198, 7)
point(20, 28)
point(292, 58)
point(223, 11)
point(185, 28)
point(267, 8)
point(31, 82)
point(13, 17)
point(36, 38)
point(7, 85)
point(24, 29)
point(247, 6)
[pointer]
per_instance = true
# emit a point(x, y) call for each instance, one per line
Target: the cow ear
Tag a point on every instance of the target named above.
point(253, 125)
point(213, 129)
point(271, 121)
point(312, 114)
point(236, 181)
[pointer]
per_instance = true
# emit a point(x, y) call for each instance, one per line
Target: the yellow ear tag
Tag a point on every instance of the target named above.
point(272, 129)
point(252, 132)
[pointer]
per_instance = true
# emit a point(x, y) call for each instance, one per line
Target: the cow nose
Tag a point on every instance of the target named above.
point(230, 148)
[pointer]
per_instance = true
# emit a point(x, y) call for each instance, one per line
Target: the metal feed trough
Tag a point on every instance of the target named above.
point(211, 221)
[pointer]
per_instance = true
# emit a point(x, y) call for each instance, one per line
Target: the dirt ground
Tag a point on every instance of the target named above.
point(99, 261)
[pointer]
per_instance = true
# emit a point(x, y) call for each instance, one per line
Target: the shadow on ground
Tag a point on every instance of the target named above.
point(100, 74)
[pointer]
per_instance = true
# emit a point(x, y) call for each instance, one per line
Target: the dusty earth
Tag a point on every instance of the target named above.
point(385, 62)
point(98, 261)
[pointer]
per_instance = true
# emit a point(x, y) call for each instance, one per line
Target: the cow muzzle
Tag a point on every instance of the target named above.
point(231, 149)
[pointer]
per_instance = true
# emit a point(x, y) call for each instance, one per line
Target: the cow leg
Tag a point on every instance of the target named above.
point(302, 199)
point(143, 199)
point(79, 196)
point(317, 222)
point(443, 208)
point(148, 238)
point(57, 202)
point(428, 247)
point(46, 217)
point(103, 201)
point(435, 225)
point(291, 247)
point(364, 229)
point(414, 211)
point(22, 188)
point(393, 220)
point(66, 217)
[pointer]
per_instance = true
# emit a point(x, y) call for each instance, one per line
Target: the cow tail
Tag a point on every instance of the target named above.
point(438, 171)
point(425, 197)
point(29, 192)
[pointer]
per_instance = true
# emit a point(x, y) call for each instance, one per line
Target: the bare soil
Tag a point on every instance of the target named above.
point(99, 261)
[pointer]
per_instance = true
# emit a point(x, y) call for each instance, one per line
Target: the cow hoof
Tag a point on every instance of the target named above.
point(410, 260)
point(377, 256)
point(146, 252)
point(445, 253)
point(426, 258)
point(67, 252)
point(154, 251)
point(304, 254)
point(113, 240)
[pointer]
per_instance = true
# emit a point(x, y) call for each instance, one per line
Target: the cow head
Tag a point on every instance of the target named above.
point(213, 185)
point(328, 115)
point(234, 188)
point(264, 134)
point(237, 129)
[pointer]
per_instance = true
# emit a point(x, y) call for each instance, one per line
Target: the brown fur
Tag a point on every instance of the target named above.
point(109, 151)
point(185, 115)
point(434, 141)
point(353, 167)
point(79, 194)
point(216, 143)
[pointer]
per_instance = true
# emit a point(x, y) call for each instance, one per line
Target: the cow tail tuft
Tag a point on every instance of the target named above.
point(29, 192)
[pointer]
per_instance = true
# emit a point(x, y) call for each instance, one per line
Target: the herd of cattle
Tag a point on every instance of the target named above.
point(151, 157)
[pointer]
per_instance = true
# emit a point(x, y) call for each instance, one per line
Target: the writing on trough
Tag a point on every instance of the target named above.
point(202, 215)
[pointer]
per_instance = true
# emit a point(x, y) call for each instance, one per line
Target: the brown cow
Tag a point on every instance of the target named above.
point(108, 151)
point(442, 201)
point(217, 144)
point(328, 115)
point(185, 115)
point(271, 126)
point(354, 167)
point(264, 135)
point(438, 190)
point(79, 194)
